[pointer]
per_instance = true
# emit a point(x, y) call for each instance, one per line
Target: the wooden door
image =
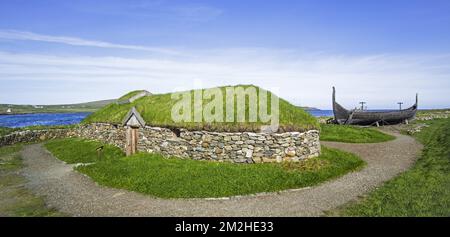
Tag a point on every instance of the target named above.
point(132, 140)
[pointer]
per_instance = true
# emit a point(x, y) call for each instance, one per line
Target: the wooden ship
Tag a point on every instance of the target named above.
point(362, 117)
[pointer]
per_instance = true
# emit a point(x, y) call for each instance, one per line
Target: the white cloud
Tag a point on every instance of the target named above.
point(23, 35)
point(381, 80)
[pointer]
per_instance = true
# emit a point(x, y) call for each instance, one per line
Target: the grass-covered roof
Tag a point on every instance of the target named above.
point(156, 111)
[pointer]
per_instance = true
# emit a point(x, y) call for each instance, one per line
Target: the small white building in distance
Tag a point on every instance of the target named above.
point(8, 111)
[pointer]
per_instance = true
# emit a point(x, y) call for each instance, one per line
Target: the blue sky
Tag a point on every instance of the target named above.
point(381, 52)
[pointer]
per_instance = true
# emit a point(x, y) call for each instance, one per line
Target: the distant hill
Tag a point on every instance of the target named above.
point(156, 111)
point(62, 108)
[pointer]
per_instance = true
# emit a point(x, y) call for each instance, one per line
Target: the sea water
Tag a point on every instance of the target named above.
point(44, 119)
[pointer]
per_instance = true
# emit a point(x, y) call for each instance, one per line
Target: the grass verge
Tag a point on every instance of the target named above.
point(352, 134)
point(75, 150)
point(424, 190)
point(184, 178)
point(15, 199)
point(5, 131)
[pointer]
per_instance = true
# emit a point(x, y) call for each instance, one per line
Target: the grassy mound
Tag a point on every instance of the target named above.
point(156, 111)
point(184, 178)
point(352, 134)
point(424, 190)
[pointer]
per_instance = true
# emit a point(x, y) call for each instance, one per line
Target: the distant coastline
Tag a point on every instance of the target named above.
point(13, 109)
point(49, 112)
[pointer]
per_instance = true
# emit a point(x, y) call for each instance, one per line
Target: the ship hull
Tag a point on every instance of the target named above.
point(359, 117)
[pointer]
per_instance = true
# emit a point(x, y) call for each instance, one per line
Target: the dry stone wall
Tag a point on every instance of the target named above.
point(34, 136)
point(245, 147)
point(107, 133)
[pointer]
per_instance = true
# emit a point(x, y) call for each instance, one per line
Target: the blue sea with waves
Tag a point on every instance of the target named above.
point(44, 119)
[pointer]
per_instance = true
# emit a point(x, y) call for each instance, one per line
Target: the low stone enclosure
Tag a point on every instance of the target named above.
point(245, 147)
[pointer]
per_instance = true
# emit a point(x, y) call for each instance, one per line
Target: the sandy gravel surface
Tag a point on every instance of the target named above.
point(76, 194)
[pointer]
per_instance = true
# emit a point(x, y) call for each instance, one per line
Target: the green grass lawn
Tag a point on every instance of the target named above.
point(352, 134)
point(15, 199)
point(75, 150)
point(424, 190)
point(156, 111)
point(184, 178)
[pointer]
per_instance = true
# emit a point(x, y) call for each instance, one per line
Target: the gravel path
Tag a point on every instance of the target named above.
point(76, 194)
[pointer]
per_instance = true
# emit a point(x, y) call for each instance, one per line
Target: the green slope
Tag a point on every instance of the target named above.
point(156, 111)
